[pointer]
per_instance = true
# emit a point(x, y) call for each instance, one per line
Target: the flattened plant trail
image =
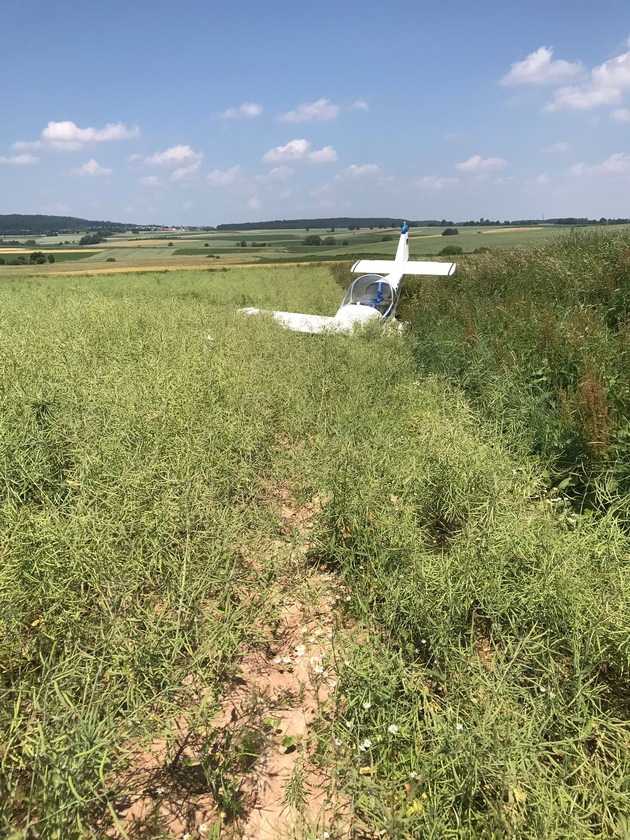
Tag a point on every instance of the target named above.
point(289, 794)
point(284, 687)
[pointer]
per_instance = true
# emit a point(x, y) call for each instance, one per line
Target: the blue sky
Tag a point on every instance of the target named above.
point(199, 113)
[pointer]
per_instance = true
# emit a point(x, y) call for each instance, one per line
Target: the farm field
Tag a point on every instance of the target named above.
point(255, 581)
point(172, 250)
point(68, 255)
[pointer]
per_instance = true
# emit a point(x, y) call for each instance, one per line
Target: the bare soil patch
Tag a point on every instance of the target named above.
point(251, 772)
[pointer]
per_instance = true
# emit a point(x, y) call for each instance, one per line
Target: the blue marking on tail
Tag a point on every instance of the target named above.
point(404, 228)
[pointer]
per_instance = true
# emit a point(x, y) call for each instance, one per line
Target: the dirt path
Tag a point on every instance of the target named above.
point(264, 738)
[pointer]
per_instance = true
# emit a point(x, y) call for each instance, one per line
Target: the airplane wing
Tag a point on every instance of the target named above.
point(439, 269)
point(296, 321)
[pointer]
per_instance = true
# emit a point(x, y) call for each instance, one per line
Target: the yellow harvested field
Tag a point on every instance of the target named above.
point(148, 243)
point(130, 269)
point(138, 268)
point(47, 250)
point(512, 229)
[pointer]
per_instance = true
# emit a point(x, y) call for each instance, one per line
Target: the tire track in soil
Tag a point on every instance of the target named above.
point(284, 687)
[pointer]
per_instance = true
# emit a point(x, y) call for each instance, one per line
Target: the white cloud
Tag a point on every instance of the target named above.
point(558, 148)
point(478, 165)
point(254, 203)
point(617, 164)
point(319, 110)
point(323, 190)
point(245, 111)
point(621, 115)
point(583, 98)
point(175, 156)
point(435, 182)
point(293, 150)
point(26, 145)
point(183, 172)
point(92, 168)
point(150, 181)
point(224, 177)
point(606, 86)
point(324, 155)
point(18, 160)
point(540, 68)
point(275, 175)
point(614, 73)
point(67, 134)
point(542, 179)
point(300, 149)
point(359, 105)
point(360, 170)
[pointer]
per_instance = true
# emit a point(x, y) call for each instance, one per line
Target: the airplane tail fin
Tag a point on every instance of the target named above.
point(401, 264)
point(402, 252)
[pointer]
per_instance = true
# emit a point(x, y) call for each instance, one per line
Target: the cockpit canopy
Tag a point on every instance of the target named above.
point(372, 290)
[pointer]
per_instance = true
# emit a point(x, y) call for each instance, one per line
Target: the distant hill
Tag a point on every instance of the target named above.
point(383, 222)
point(16, 224)
point(315, 224)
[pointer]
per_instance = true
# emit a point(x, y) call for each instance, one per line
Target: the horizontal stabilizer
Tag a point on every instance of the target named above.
point(416, 267)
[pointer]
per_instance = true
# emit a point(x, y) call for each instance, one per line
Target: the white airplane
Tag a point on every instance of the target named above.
point(371, 297)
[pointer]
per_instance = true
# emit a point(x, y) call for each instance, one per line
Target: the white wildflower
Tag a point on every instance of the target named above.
point(393, 729)
point(459, 727)
point(367, 705)
point(300, 650)
point(365, 745)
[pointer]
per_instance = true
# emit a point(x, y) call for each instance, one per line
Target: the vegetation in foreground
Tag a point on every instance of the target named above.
point(540, 343)
point(482, 687)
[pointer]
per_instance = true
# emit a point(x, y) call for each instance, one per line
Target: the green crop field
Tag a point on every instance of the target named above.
point(180, 249)
point(59, 256)
point(391, 568)
point(45, 241)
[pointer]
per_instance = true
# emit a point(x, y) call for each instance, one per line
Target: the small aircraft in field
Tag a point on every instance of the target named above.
point(372, 297)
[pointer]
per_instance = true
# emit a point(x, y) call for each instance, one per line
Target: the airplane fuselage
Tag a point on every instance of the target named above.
point(371, 297)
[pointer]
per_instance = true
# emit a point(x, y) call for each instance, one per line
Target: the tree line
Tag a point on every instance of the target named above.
point(17, 224)
point(372, 223)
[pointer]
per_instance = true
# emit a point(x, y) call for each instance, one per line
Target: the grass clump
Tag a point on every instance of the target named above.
point(539, 341)
point(135, 430)
point(486, 696)
point(482, 684)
